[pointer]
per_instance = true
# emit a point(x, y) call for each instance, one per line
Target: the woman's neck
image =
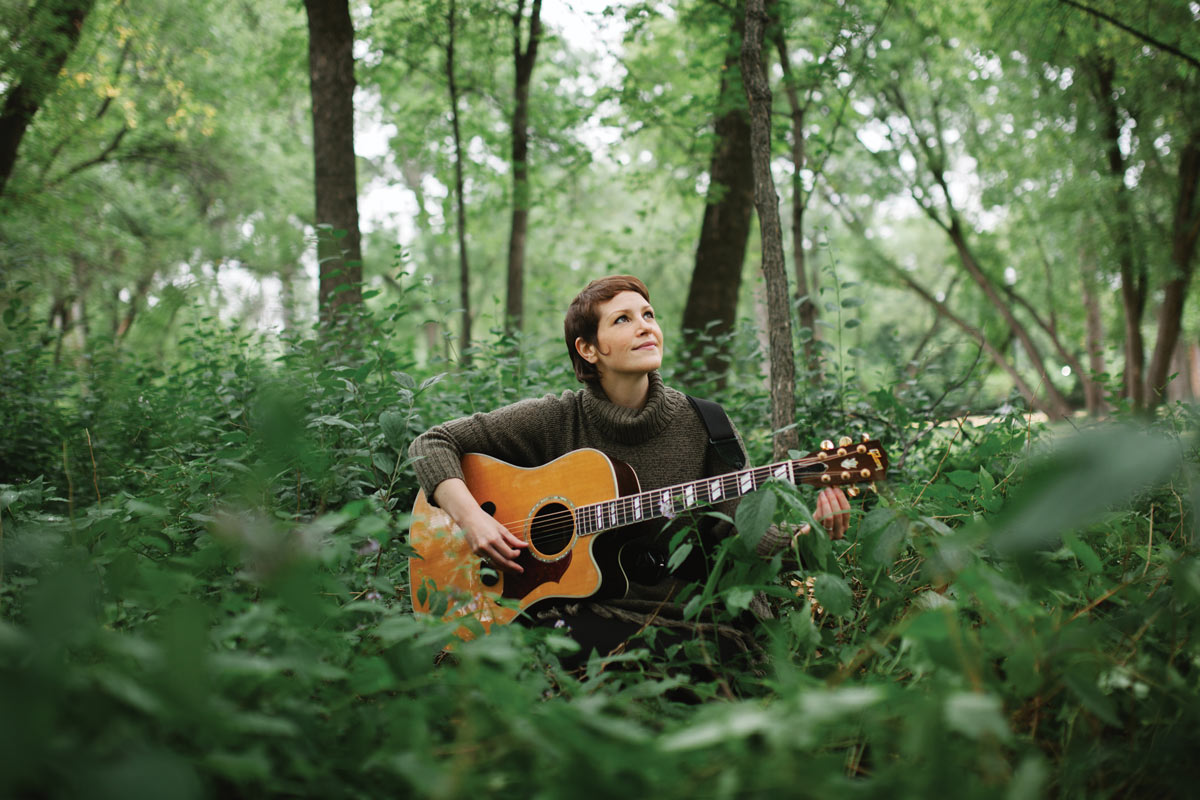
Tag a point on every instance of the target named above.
point(626, 390)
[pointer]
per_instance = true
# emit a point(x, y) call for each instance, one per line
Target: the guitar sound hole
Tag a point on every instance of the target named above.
point(552, 529)
point(489, 507)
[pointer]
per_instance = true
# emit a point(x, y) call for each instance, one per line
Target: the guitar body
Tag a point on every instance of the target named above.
point(561, 507)
point(538, 505)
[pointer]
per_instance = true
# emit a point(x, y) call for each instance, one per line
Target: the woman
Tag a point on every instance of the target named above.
point(625, 411)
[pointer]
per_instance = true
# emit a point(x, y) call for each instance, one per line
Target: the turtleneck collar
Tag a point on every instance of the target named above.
point(628, 425)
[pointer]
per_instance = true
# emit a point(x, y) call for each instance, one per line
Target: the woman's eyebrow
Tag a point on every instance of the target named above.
point(616, 312)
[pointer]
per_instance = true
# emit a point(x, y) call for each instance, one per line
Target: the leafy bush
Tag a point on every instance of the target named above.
point(209, 597)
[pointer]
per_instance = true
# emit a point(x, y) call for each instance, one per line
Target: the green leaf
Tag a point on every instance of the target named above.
point(964, 479)
point(976, 715)
point(332, 421)
point(808, 636)
point(1092, 698)
point(1078, 480)
point(833, 594)
point(754, 515)
point(883, 533)
point(738, 599)
point(383, 463)
point(679, 556)
point(395, 431)
point(1083, 551)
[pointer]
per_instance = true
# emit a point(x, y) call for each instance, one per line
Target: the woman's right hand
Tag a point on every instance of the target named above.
point(486, 537)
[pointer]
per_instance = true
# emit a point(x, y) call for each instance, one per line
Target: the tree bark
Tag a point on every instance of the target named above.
point(523, 61)
point(766, 204)
point(1094, 339)
point(55, 29)
point(725, 230)
point(1133, 272)
point(1184, 229)
point(806, 290)
point(464, 268)
point(331, 72)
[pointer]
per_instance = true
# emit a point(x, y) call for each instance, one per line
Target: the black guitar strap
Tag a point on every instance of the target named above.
point(721, 437)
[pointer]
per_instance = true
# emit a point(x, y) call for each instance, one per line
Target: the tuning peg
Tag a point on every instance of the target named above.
point(853, 491)
point(873, 487)
point(845, 440)
point(846, 475)
point(866, 473)
point(827, 444)
point(862, 448)
point(866, 437)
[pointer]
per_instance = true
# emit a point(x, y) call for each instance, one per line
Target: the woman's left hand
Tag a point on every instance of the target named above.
point(833, 512)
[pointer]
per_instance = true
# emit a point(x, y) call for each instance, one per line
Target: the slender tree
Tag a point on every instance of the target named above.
point(523, 61)
point(464, 269)
point(766, 203)
point(1185, 229)
point(54, 30)
point(331, 72)
point(717, 274)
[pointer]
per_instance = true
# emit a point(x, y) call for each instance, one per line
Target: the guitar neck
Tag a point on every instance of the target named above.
point(670, 501)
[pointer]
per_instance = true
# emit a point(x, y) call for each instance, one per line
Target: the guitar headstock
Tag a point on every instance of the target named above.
point(846, 463)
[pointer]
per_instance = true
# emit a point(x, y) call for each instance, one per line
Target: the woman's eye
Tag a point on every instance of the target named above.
point(649, 315)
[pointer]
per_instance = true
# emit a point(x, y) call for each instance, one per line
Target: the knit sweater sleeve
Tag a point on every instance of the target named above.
point(525, 434)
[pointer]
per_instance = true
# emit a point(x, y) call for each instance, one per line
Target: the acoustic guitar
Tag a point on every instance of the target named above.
point(560, 509)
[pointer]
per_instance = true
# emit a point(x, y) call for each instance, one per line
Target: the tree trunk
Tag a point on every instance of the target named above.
point(1094, 339)
point(464, 269)
point(717, 275)
point(331, 71)
point(55, 29)
point(766, 204)
point(1133, 273)
point(1184, 230)
point(523, 61)
point(806, 290)
point(140, 290)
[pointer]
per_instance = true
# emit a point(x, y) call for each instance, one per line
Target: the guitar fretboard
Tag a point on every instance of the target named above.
point(671, 501)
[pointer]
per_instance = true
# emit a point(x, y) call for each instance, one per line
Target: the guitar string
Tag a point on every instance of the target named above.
point(559, 527)
point(624, 506)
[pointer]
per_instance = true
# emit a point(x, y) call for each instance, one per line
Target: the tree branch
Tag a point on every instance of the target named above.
point(1145, 37)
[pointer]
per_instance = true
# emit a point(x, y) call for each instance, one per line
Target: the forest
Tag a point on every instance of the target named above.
point(249, 251)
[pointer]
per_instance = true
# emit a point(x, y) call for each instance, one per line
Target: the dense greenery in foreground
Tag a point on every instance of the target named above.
point(203, 593)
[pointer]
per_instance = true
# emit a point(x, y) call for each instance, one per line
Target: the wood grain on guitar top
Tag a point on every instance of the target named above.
point(537, 504)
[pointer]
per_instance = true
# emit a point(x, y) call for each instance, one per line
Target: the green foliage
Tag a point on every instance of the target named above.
point(213, 599)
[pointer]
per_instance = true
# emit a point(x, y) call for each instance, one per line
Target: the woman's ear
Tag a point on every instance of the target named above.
point(586, 350)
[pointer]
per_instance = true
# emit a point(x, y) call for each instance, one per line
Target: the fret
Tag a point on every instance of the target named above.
point(673, 500)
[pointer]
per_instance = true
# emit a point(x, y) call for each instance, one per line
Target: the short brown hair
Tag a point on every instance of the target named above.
point(583, 317)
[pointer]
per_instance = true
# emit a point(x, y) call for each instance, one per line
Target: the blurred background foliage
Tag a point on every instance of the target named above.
point(204, 493)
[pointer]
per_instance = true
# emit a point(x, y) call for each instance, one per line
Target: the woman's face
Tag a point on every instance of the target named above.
point(628, 339)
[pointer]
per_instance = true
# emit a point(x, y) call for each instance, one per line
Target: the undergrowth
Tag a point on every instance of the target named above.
point(203, 579)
